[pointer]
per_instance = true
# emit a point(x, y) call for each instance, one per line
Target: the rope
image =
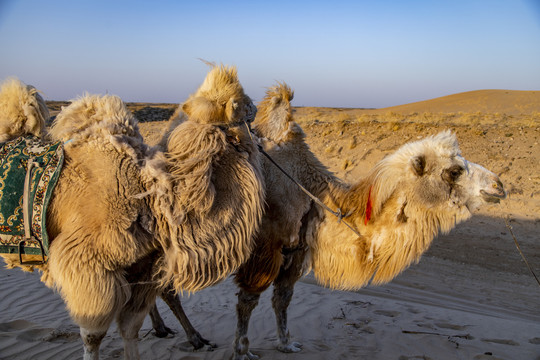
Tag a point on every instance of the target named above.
point(520, 252)
point(337, 213)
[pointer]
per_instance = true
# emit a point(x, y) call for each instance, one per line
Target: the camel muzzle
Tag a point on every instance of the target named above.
point(494, 194)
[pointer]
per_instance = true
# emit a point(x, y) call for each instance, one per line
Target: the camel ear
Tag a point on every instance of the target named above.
point(232, 108)
point(419, 164)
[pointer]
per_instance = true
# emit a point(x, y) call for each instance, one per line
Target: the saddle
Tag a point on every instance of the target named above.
point(29, 171)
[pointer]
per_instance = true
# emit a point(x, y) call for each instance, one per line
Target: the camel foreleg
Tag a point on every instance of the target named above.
point(91, 342)
point(161, 330)
point(246, 303)
point(129, 324)
point(289, 274)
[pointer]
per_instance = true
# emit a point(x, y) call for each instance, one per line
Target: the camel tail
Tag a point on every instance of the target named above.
point(22, 110)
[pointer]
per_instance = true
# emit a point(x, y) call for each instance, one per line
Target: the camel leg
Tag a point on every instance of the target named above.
point(129, 324)
point(161, 330)
point(281, 298)
point(246, 303)
point(91, 342)
point(193, 336)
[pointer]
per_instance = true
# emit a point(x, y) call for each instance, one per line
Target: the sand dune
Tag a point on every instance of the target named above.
point(509, 102)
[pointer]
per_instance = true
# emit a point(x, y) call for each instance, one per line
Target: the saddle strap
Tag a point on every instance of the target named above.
point(26, 214)
point(26, 197)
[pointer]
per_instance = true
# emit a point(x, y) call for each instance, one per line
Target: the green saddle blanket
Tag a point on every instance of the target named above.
point(31, 162)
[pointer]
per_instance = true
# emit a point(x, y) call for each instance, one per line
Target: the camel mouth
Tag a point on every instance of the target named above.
point(494, 197)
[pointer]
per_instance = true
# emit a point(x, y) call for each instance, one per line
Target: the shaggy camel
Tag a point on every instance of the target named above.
point(423, 188)
point(127, 222)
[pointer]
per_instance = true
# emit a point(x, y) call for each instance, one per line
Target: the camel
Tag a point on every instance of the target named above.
point(127, 222)
point(395, 211)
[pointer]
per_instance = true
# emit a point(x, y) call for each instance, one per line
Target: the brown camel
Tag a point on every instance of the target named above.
point(127, 222)
point(423, 188)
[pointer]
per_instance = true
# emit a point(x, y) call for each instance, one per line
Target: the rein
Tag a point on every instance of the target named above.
point(337, 213)
point(520, 252)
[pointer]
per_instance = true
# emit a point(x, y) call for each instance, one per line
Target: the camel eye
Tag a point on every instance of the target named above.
point(451, 175)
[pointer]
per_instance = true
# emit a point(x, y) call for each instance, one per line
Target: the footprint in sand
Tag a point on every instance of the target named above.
point(362, 326)
point(24, 330)
point(486, 356)
point(450, 326)
point(501, 341)
point(387, 313)
point(62, 335)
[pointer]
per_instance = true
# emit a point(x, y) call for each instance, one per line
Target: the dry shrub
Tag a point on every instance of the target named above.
point(352, 143)
point(346, 164)
point(343, 117)
point(330, 149)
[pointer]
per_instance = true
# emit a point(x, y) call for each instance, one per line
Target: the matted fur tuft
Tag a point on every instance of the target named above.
point(22, 110)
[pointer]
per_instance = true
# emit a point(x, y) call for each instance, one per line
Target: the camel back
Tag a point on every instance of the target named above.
point(28, 173)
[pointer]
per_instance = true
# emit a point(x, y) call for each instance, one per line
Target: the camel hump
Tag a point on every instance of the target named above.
point(95, 115)
point(22, 110)
point(220, 99)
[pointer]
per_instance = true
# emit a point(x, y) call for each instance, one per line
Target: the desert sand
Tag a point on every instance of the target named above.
point(471, 295)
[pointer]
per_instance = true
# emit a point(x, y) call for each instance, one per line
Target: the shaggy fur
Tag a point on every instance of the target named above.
point(127, 221)
point(95, 116)
point(22, 110)
point(409, 197)
point(213, 169)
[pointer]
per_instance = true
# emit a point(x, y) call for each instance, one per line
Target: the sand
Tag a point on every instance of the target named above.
point(470, 297)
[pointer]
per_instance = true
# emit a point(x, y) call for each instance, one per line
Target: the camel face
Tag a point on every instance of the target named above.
point(456, 182)
point(483, 185)
point(437, 176)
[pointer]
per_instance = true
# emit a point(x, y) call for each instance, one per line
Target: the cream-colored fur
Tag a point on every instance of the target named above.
point(126, 220)
point(22, 110)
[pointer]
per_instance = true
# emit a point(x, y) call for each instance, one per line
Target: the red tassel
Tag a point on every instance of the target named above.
point(369, 208)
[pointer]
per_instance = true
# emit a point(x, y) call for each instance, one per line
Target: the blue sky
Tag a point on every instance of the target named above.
point(332, 53)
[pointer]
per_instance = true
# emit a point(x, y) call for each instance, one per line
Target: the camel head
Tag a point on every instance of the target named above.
point(22, 110)
point(220, 99)
point(432, 175)
point(274, 116)
point(409, 197)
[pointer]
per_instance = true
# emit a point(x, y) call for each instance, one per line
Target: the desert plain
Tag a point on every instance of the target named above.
point(471, 296)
